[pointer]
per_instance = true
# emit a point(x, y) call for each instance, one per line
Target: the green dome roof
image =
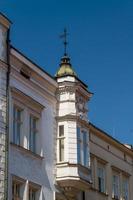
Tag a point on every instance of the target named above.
point(65, 68)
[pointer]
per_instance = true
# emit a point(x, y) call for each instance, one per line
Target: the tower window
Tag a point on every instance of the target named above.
point(82, 147)
point(61, 143)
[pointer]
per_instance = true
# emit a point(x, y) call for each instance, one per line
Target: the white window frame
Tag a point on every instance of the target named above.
point(116, 186)
point(85, 148)
point(61, 144)
point(82, 147)
point(125, 188)
point(79, 144)
point(16, 191)
point(101, 173)
point(28, 106)
point(33, 133)
point(16, 137)
point(17, 195)
point(32, 191)
point(35, 189)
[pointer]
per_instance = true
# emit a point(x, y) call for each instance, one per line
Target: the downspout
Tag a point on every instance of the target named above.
point(7, 117)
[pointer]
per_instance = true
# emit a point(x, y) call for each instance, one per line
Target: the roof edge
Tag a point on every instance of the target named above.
point(112, 138)
point(22, 54)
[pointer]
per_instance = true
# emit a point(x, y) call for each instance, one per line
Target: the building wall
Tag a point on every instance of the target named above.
point(4, 26)
point(24, 166)
point(115, 158)
point(3, 120)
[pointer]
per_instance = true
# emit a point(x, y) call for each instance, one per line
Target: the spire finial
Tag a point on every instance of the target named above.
point(64, 36)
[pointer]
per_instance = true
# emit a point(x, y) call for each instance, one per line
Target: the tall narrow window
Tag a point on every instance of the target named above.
point(78, 146)
point(32, 194)
point(17, 123)
point(61, 143)
point(125, 189)
point(85, 149)
point(15, 191)
point(101, 179)
point(82, 147)
point(115, 187)
point(83, 195)
point(33, 133)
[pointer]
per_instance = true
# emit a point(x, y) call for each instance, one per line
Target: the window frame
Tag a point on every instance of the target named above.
point(61, 138)
point(101, 178)
point(82, 146)
point(31, 192)
point(33, 132)
point(20, 182)
point(35, 188)
point(28, 106)
point(125, 190)
point(116, 186)
point(16, 138)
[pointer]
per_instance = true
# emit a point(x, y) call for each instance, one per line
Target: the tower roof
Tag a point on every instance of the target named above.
point(65, 68)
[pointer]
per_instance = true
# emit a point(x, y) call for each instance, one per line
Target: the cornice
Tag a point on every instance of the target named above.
point(109, 139)
point(100, 160)
point(73, 118)
point(118, 170)
point(4, 21)
point(42, 91)
point(17, 66)
point(17, 94)
point(33, 66)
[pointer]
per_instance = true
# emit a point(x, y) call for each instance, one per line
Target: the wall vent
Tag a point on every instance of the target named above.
point(25, 73)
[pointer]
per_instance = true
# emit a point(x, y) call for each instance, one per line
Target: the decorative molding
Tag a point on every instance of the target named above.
point(26, 100)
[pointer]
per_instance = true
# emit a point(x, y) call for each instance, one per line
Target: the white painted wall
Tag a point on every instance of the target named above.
point(23, 164)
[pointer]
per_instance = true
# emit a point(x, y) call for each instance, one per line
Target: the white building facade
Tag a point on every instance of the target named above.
point(48, 148)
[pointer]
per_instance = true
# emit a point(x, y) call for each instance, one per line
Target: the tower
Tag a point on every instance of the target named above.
point(73, 170)
point(4, 80)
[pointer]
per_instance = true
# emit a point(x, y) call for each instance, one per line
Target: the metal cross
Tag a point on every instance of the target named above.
point(64, 36)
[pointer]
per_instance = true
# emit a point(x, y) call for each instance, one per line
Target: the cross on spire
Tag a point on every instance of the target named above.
point(64, 36)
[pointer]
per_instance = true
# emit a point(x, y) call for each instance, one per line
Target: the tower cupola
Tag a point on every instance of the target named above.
point(65, 68)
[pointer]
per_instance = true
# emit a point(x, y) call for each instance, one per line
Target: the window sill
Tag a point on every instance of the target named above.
point(102, 193)
point(27, 151)
point(115, 198)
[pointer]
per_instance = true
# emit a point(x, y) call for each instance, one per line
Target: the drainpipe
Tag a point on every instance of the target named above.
point(7, 117)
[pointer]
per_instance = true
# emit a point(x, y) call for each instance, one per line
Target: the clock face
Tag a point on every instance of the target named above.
point(3, 37)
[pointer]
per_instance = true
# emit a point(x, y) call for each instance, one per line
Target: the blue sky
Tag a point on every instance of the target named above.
point(100, 47)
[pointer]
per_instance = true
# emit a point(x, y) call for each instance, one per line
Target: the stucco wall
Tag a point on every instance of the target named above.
point(22, 163)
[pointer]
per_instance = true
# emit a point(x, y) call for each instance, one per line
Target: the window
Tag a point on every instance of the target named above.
point(61, 143)
point(32, 194)
point(115, 187)
point(85, 149)
point(17, 123)
point(33, 133)
point(83, 195)
point(16, 191)
point(82, 147)
point(101, 179)
point(125, 189)
point(78, 145)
